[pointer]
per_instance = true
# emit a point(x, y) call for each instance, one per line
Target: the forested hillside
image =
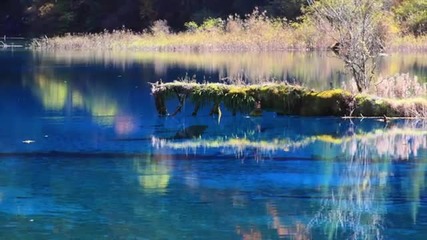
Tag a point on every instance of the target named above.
point(55, 17)
point(50, 17)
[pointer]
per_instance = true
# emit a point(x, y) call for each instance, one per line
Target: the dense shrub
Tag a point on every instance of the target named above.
point(412, 15)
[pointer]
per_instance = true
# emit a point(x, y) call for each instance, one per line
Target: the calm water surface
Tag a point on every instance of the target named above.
point(84, 156)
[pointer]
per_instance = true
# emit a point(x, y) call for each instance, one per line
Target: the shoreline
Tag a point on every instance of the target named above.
point(285, 40)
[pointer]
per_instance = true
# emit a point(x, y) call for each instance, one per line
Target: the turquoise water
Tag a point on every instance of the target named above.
point(83, 155)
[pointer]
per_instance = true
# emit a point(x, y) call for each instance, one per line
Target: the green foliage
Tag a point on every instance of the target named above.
point(412, 14)
point(239, 100)
point(53, 17)
point(306, 33)
point(191, 26)
point(212, 24)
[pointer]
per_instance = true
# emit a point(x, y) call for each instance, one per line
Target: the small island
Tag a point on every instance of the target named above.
point(284, 99)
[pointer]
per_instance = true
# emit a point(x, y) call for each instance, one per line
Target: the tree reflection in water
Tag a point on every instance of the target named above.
point(154, 174)
point(315, 70)
point(355, 208)
point(358, 185)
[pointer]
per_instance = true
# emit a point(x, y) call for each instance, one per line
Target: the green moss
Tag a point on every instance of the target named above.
point(332, 93)
point(238, 102)
point(285, 99)
point(331, 102)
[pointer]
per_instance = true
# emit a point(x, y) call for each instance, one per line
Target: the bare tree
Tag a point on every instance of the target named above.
point(355, 26)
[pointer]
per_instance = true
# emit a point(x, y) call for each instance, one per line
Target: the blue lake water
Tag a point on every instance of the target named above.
point(83, 155)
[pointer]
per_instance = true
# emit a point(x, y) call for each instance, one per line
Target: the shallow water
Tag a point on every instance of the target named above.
point(84, 156)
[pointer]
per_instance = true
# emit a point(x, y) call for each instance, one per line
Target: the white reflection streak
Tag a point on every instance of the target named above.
point(356, 205)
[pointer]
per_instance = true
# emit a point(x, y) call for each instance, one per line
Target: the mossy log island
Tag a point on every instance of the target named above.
point(284, 99)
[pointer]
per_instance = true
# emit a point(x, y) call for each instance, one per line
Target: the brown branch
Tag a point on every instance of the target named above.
point(181, 98)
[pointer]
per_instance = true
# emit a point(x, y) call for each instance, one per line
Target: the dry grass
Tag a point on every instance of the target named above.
point(401, 94)
point(409, 43)
point(120, 39)
point(254, 32)
point(399, 86)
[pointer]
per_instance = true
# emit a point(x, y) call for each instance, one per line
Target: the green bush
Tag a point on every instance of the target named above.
point(191, 26)
point(412, 15)
point(212, 25)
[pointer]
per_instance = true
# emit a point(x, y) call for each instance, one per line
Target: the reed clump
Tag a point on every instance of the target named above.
point(398, 86)
point(252, 32)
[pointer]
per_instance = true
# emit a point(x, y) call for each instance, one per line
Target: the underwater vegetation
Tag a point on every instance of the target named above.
point(284, 99)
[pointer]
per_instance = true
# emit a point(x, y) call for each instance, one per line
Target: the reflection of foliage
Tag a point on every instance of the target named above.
point(417, 186)
point(56, 93)
point(237, 145)
point(153, 176)
point(354, 209)
point(309, 69)
point(53, 94)
point(299, 231)
point(397, 142)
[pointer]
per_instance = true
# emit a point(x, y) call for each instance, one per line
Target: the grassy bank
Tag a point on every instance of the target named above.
point(284, 99)
point(255, 32)
point(203, 41)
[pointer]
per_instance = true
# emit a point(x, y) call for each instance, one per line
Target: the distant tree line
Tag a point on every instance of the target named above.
point(52, 17)
point(55, 17)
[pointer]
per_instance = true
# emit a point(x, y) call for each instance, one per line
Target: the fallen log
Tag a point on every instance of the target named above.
point(284, 99)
